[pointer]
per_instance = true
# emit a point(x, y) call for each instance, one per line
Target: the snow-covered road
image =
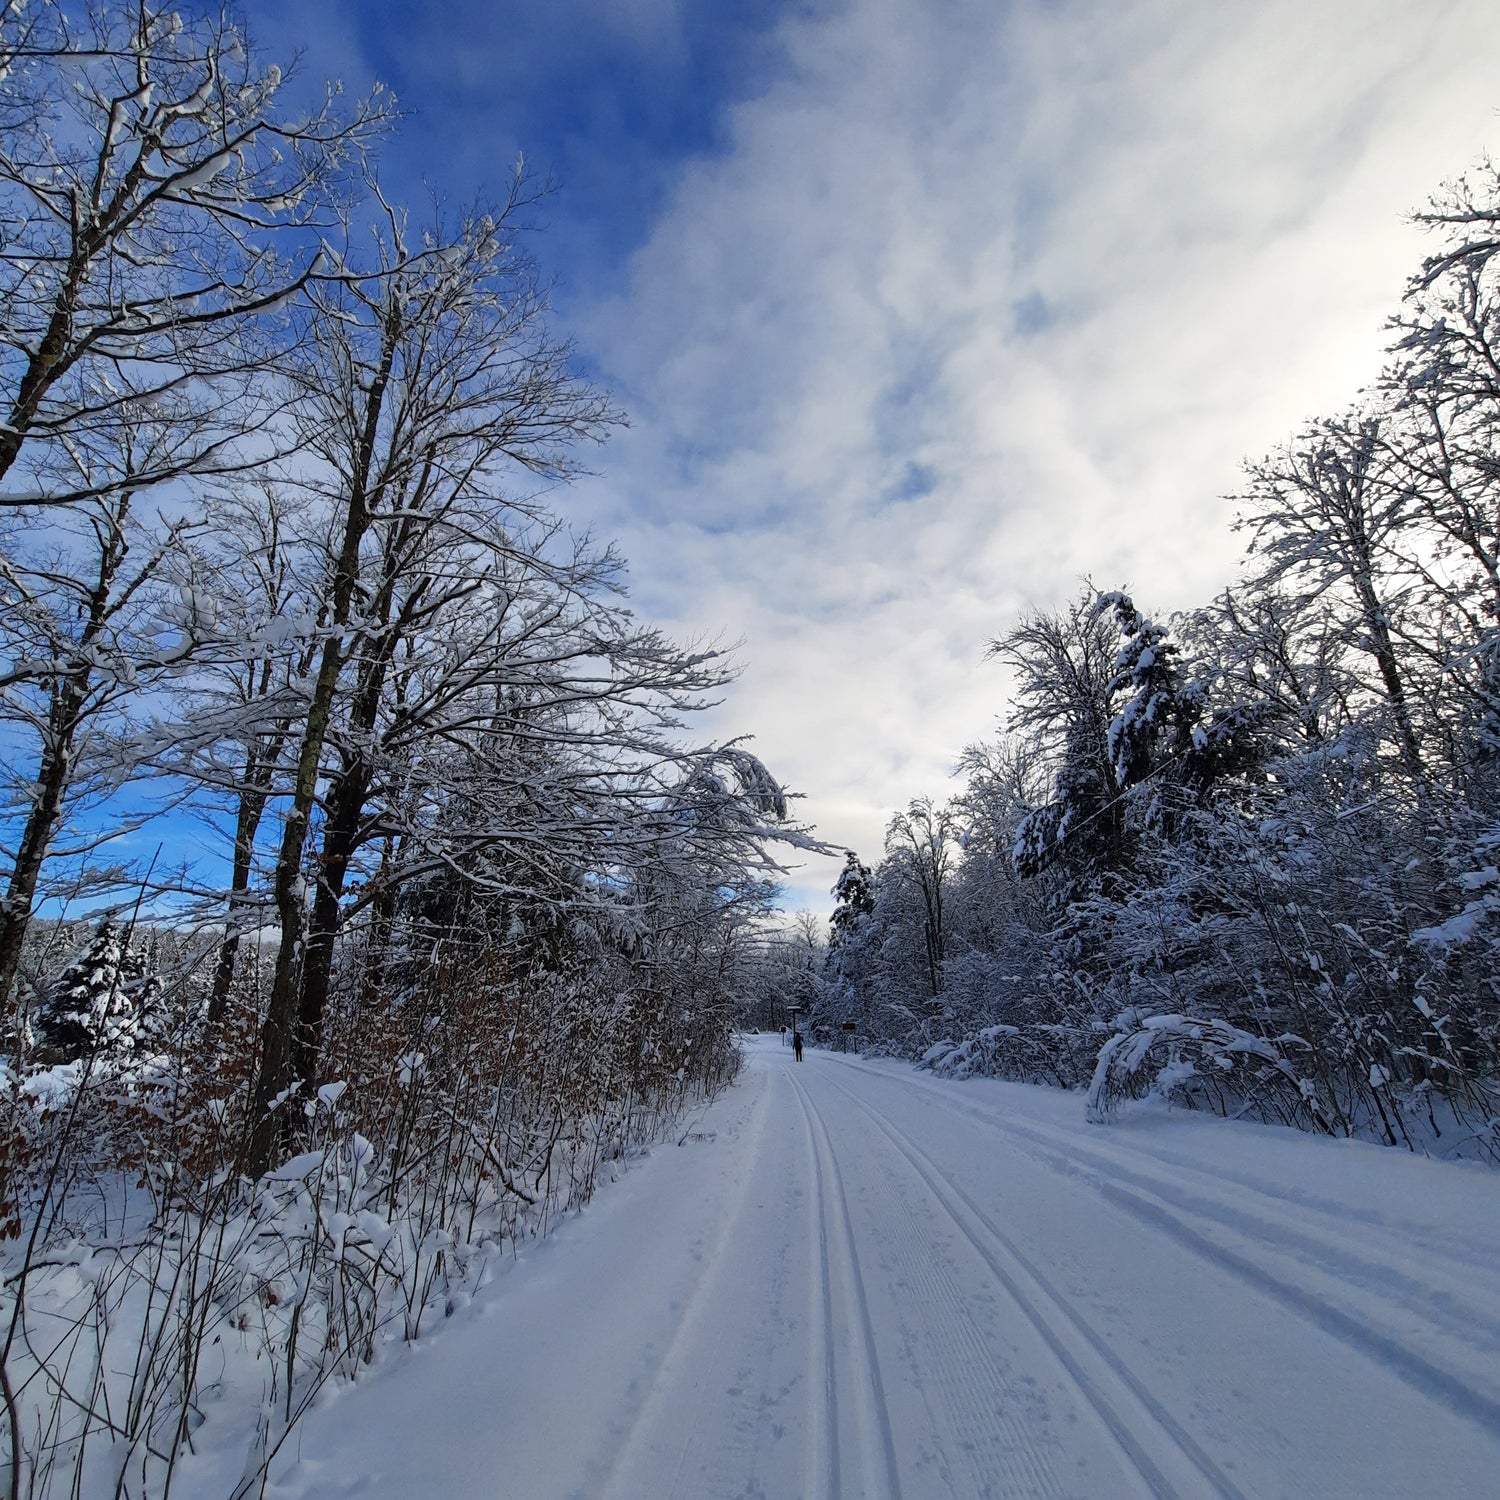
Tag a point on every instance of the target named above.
point(855, 1280)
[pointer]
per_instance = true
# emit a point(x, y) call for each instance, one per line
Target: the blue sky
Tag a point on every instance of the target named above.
point(922, 309)
point(608, 99)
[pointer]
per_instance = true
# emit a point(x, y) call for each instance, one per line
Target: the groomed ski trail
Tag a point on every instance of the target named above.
point(854, 1280)
point(872, 1440)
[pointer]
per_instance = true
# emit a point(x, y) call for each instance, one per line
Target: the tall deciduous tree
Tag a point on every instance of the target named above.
point(426, 388)
point(921, 839)
point(1324, 515)
point(100, 609)
point(144, 190)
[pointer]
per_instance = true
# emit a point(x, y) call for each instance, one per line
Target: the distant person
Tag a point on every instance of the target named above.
point(797, 1045)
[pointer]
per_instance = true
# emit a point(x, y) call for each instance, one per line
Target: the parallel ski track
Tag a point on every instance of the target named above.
point(822, 1383)
point(1168, 1460)
point(877, 1448)
point(1156, 1205)
point(984, 1427)
point(1277, 1196)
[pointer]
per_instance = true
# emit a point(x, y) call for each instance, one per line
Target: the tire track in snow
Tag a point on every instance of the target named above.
point(1284, 1214)
point(876, 1440)
point(1170, 1214)
point(1170, 1462)
point(1328, 1252)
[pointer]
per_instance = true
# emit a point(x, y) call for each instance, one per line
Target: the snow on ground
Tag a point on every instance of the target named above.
point(855, 1280)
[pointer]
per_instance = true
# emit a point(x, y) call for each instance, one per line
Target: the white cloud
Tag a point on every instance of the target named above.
point(981, 298)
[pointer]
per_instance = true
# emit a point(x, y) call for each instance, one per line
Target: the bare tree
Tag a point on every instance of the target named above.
point(1324, 515)
point(235, 725)
point(921, 838)
point(143, 194)
point(101, 610)
point(1064, 665)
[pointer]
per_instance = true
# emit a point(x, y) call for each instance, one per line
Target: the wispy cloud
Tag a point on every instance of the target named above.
point(975, 299)
point(924, 308)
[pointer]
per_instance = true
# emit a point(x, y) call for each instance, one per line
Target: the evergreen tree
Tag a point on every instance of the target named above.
point(1146, 669)
point(146, 996)
point(89, 1007)
point(855, 895)
point(109, 1000)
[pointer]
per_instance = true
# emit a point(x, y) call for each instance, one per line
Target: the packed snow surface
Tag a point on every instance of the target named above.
point(852, 1279)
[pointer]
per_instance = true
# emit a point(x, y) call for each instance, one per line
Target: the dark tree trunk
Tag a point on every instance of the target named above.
point(280, 1046)
point(65, 714)
point(340, 842)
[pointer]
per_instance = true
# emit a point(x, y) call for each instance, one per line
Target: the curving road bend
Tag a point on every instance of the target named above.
point(854, 1280)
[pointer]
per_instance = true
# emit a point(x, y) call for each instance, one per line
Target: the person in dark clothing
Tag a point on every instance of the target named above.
point(797, 1045)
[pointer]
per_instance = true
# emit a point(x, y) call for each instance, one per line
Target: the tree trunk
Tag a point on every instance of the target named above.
point(47, 359)
point(56, 769)
point(340, 841)
point(280, 1045)
point(1382, 647)
point(41, 823)
point(247, 824)
point(346, 805)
